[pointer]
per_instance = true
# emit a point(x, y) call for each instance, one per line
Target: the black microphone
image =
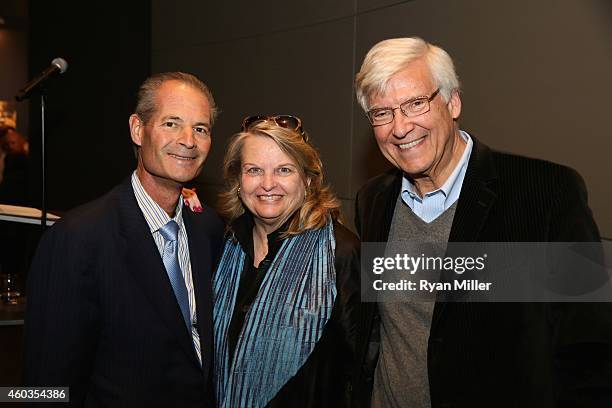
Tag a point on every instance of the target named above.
point(58, 65)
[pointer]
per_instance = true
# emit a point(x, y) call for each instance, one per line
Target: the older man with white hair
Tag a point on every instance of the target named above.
point(446, 186)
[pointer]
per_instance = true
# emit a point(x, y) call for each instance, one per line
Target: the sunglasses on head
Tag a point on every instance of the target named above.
point(285, 121)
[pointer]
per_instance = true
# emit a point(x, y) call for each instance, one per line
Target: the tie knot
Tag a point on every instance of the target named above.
point(170, 231)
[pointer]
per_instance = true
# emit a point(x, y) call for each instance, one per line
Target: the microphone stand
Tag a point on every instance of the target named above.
point(58, 65)
point(43, 182)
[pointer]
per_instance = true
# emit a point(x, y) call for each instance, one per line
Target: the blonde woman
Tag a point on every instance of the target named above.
point(287, 287)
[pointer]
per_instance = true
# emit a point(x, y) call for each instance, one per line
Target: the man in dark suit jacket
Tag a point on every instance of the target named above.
point(103, 315)
point(449, 187)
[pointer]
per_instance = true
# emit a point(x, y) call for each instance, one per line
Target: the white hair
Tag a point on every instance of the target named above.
point(388, 57)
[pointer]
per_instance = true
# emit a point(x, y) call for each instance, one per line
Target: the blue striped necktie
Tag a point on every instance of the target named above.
point(171, 262)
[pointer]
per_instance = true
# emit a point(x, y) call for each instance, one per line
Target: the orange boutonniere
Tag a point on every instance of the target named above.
point(191, 200)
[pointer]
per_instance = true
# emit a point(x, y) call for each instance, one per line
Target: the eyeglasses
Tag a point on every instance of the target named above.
point(285, 121)
point(411, 108)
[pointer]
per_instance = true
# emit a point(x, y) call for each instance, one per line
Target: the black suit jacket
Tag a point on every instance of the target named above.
point(504, 354)
point(101, 314)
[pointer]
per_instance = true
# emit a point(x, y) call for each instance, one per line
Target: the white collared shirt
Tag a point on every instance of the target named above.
point(156, 218)
point(433, 204)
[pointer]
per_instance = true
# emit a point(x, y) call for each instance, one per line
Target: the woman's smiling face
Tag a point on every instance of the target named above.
point(271, 185)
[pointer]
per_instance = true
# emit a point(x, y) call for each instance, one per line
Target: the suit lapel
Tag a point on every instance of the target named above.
point(477, 196)
point(145, 264)
point(475, 201)
point(201, 263)
point(383, 204)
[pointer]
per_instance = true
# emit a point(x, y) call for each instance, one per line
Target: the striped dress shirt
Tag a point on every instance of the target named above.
point(156, 218)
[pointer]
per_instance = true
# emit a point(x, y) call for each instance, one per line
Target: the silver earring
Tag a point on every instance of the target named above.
point(238, 190)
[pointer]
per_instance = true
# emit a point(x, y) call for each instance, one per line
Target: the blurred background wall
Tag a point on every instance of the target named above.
point(535, 74)
point(14, 55)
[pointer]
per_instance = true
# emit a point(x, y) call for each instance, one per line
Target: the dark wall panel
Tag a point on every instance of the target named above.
point(193, 22)
point(535, 74)
point(268, 57)
point(14, 56)
point(108, 49)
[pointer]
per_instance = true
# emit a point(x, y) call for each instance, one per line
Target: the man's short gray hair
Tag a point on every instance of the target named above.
point(388, 57)
point(147, 102)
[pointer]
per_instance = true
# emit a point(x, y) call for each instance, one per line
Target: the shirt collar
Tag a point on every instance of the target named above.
point(155, 216)
point(450, 184)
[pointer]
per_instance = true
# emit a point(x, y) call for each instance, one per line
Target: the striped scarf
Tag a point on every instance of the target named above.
point(284, 323)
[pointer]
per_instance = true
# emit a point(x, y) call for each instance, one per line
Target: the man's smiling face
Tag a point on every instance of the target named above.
point(175, 142)
point(423, 145)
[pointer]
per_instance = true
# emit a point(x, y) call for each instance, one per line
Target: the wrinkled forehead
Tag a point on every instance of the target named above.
point(174, 94)
point(411, 80)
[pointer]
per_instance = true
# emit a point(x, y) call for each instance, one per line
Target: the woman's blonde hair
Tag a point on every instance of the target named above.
point(319, 201)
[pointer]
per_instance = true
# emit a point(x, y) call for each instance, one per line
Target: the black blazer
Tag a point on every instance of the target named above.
point(101, 315)
point(503, 354)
